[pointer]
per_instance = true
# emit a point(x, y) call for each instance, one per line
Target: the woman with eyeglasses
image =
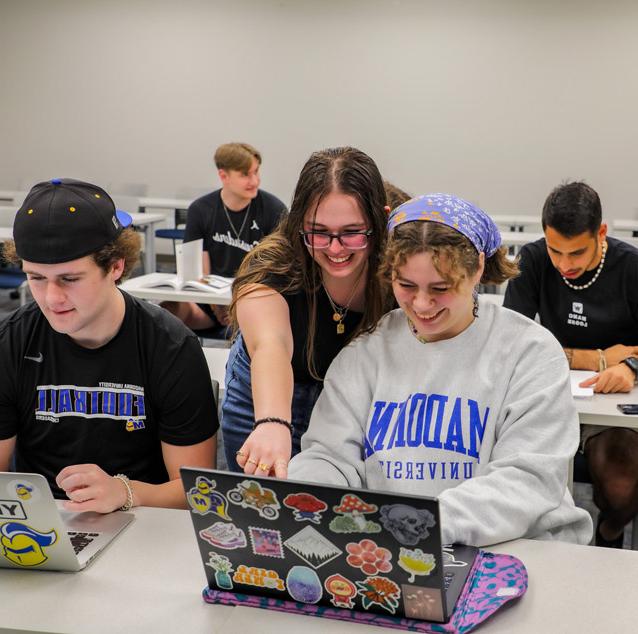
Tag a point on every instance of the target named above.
point(299, 297)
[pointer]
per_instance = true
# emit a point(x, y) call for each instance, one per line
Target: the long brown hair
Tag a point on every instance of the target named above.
point(283, 256)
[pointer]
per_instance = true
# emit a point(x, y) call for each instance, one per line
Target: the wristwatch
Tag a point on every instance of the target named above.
point(632, 363)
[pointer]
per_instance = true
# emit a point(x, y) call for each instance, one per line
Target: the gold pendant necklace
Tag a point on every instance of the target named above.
point(339, 314)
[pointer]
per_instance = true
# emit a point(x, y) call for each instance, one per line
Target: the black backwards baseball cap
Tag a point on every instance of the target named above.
point(63, 219)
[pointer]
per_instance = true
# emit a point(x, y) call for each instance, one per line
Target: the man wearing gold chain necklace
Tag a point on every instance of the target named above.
point(231, 221)
point(584, 287)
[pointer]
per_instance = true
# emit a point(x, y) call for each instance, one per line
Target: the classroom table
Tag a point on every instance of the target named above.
point(147, 202)
point(625, 224)
point(150, 579)
point(517, 239)
point(139, 287)
point(516, 222)
point(600, 409)
point(13, 196)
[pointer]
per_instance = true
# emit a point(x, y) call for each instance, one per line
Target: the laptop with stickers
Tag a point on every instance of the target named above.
point(362, 551)
point(36, 535)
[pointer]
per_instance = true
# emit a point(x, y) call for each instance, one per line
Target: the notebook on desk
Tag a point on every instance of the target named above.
point(36, 535)
point(364, 551)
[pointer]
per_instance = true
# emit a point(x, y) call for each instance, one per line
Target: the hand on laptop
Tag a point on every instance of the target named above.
point(89, 488)
point(266, 451)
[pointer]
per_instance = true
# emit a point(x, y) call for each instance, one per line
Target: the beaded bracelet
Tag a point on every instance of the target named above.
point(129, 492)
point(273, 419)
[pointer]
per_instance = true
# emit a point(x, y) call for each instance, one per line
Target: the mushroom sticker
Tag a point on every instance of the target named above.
point(305, 506)
point(343, 591)
point(351, 519)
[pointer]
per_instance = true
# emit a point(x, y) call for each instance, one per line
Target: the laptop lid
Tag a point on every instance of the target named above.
point(357, 549)
point(36, 535)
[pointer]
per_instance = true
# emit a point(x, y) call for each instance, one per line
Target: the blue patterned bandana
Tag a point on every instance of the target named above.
point(454, 212)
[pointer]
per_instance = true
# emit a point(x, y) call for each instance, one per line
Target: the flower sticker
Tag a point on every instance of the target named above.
point(369, 557)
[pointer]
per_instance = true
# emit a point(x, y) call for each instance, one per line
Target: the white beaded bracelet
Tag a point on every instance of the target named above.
point(129, 492)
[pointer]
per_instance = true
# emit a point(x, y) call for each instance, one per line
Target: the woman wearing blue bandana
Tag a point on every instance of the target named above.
point(451, 396)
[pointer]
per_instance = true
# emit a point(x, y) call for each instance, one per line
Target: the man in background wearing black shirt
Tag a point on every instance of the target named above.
point(231, 221)
point(584, 287)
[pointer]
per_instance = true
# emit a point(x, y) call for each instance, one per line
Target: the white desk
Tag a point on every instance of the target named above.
point(516, 222)
point(164, 203)
point(6, 233)
point(147, 222)
point(600, 409)
point(625, 225)
point(13, 196)
point(138, 286)
point(572, 589)
point(151, 578)
point(519, 238)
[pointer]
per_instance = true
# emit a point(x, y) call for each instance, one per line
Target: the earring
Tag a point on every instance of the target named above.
point(475, 302)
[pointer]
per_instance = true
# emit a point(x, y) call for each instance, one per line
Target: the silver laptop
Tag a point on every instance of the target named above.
point(37, 535)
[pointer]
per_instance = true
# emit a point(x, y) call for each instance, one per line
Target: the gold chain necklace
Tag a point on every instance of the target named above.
point(339, 313)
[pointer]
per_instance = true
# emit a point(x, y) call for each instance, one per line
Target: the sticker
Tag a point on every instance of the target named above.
point(24, 491)
point(407, 524)
point(368, 557)
point(306, 507)
point(311, 546)
point(23, 545)
point(379, 591)
point(227, 536)
point(12, 510)
point(222, 567)
point(259, 577)
point(416, 562)
point(352, 519)
point(266, 542)
point(449, 561)
point(203, 499)
point(422, 603)
point(343, 591)
point(251, 494)
point(304, 584)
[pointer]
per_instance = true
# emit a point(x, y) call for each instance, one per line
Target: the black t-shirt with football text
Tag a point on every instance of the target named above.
point(112, 406)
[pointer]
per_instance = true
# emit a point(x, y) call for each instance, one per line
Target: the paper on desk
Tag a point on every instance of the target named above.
point(578, 376)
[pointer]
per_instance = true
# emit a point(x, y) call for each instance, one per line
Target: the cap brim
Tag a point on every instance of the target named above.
point(124, 219)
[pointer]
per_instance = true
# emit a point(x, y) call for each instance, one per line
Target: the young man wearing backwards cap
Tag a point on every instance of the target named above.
point(103, 394)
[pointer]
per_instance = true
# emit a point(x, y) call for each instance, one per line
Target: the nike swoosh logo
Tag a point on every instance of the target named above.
point(38, 359)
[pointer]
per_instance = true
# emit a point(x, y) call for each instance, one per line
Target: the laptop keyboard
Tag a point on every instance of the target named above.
point(80, 541)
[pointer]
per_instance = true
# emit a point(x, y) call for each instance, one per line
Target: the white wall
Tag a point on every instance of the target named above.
point(494, 100)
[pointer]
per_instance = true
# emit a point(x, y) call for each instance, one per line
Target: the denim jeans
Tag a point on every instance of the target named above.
point(237, 406)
